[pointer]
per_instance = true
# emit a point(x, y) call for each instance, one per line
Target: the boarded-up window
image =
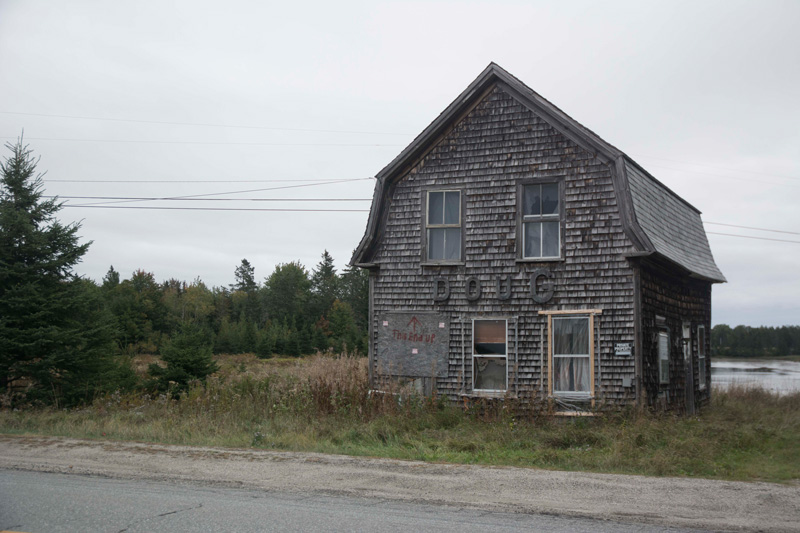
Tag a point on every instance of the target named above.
point(489, 355)
point(444, 226)
point(571, 355)
point(541, 229)
point(663, 358)
point(701, 355)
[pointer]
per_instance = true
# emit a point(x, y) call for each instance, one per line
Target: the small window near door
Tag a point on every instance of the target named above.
point(663, 358)
point(489, 355)
point(701, 356)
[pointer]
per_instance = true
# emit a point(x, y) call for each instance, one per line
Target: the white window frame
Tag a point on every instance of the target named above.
point(475, 356)
point(590, 356)
point(540, 218)
point(429, 226)
point(663, 357)
point(701, 356)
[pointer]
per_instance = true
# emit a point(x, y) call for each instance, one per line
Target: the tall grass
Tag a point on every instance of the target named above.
point(323, 404)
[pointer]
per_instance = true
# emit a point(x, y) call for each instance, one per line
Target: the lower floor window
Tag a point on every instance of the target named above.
point(663, 357)
point(571, 355)
point(701, 356)
point(489, 355)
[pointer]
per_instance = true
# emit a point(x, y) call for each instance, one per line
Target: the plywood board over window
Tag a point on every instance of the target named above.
point(571, 353)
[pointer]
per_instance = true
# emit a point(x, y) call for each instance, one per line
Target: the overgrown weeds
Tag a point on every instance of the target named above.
point(323, 403)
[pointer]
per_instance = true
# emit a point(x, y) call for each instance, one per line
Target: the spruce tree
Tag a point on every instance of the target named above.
point(54, 336)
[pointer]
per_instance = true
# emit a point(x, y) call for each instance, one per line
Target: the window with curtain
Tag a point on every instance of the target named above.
point(571, 356)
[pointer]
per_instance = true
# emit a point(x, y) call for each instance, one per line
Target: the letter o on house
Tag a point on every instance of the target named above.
point(473, 288)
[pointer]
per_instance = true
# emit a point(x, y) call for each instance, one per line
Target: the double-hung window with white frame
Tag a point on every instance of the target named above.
point(443, 226)
point(541, 225)
point(489, 355)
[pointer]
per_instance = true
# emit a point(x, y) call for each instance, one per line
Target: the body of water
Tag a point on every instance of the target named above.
point(779, 376)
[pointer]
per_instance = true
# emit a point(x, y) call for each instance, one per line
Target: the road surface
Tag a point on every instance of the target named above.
point(389, 485)
point(38, 501)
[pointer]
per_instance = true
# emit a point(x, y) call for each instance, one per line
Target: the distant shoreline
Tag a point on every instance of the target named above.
point(795, 358)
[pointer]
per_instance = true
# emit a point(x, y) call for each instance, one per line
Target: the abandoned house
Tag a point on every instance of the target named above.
point(514, 253)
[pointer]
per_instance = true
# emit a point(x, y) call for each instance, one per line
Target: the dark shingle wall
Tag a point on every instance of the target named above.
point(677, 299)
point(498, 143)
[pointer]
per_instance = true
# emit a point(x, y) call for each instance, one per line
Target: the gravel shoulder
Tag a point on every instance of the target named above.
point(690, 503)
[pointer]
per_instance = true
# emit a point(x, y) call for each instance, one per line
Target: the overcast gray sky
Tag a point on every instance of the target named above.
point(705, 95)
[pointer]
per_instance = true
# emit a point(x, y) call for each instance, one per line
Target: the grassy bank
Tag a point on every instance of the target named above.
point(323, 404)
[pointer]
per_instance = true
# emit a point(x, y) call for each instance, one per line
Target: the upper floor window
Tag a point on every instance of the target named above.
point(541, 226)
point(443, 226)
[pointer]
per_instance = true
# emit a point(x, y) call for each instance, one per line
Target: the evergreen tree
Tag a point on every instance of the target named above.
point(324, 287)
point(188, 356)
point(245, 277)
point(355, 293)
point(53, 331)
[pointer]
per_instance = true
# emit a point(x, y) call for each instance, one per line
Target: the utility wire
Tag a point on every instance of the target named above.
point(195, 181)
point(721, 168)
point(216, 143)
point(750, 227)
point(199, 124)
point(236, 192)
point(749, 237)
point(140, 198)
point(749, 180)
point(217, 208)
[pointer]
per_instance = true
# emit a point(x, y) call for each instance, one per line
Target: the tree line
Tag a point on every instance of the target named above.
point(746, 341)
point(64, 339)
point(292, 312)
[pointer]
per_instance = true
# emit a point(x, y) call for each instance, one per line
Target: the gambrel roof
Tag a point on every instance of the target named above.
point(657, 221)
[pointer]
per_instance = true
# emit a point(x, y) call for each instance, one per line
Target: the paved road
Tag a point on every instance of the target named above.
point(36, 501)
point(658, 502)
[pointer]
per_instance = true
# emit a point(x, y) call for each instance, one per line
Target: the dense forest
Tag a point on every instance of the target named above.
point(746, 341)
point(292, 312)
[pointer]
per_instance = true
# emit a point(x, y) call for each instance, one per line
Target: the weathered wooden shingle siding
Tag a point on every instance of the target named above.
point(677, 298)
point(498, 143)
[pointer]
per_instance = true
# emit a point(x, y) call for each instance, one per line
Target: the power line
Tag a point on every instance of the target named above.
point(240, 192)
point(91, 206)
point(757, 229)
point(749, 237)
point(195, 181)
point(749, 180)
point(215, 143)
point(168, 123)
point(141, 198)
point(721, 168)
